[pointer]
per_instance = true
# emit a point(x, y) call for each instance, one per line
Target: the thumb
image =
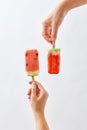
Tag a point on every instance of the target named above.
point(54, 31)
point(33, 90)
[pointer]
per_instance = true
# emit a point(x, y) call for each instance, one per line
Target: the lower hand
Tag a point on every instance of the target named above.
point(38, 97)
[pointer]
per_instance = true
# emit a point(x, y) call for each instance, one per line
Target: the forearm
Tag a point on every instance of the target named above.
point(40, 121)
point(74, 3)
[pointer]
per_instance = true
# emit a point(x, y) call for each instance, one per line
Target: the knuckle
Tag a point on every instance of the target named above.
point(33, 96)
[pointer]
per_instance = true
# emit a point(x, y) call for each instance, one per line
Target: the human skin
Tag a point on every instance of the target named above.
point(38, 97)
point(52, 23)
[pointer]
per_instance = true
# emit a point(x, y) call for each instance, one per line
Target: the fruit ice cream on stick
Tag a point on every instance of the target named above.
point(32, 63)
point(53, 60)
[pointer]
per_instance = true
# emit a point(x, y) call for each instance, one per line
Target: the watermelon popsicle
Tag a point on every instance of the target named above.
point(53, 61)
point(32, 63)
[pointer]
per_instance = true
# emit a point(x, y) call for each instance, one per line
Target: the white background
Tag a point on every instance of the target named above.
point(20, 29)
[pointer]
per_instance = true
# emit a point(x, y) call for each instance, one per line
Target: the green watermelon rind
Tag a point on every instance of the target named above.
point(54, 50)
point(35, 73)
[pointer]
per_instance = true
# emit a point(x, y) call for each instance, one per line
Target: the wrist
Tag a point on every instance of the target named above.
point(39, 114)
point(70, 4)
point(66, 5)
point(62, 8)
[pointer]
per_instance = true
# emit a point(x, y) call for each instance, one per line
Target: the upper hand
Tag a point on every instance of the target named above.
point(53, 21)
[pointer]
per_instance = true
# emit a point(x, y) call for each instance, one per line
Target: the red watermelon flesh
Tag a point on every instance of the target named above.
point(54, 61)
point(32, 62)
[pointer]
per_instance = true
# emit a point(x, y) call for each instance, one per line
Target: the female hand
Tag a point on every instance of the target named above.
point(53, 21)
point(38, 97)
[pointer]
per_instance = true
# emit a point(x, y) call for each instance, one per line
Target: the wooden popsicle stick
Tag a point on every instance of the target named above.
point(54, 45)
point(33, 79)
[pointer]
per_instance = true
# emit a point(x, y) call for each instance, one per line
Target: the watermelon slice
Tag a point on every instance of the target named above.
point(32, 62)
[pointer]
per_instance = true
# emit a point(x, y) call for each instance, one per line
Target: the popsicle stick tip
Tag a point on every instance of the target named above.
point(54, 45)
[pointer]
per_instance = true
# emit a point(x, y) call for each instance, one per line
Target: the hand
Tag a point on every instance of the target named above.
point(54, 20)
point(38, 97)
point(52, 23)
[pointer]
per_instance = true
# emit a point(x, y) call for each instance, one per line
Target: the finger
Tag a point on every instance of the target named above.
point(33, 94)
point(29, 92)
point(47, 34)
point(45, 23)
point(42, 91)
point(46, 27)
point(47, 38)
point(40, 87)
point(37, 91)
point(47, 30)
point(30, 82)
point(54, 31)
point(29, 97)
